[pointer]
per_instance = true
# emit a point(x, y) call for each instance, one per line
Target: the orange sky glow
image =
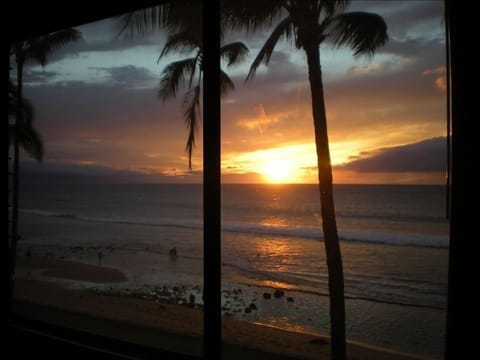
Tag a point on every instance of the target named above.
point(98, 111)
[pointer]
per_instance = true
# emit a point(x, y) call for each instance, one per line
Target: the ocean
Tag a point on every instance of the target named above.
point(394, 241)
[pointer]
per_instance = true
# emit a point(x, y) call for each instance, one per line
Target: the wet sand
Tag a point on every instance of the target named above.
point(167, 326)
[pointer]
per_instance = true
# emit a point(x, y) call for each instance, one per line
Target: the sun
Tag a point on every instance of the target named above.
point(278, 171)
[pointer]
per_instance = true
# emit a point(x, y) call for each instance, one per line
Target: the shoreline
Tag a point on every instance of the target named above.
point(71, 270)
point(175, 324)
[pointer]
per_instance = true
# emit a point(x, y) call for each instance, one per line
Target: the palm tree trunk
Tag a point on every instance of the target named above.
point(332, 246)
point(16, 170)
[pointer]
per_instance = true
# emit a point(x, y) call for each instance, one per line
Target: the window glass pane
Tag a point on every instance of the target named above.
point(111, 219)
point(386, 119)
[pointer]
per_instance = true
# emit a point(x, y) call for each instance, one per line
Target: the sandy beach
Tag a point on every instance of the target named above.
point(151, 323)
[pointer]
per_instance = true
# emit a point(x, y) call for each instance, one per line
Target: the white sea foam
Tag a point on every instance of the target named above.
point(308, 232)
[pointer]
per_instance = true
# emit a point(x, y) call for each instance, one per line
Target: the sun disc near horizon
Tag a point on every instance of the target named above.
point(278, 171)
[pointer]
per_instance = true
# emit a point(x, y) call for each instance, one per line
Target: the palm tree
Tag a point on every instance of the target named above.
point(183, 20)
point(178, 71)
point(21, 109)
point(22, 132)
point(312, 23)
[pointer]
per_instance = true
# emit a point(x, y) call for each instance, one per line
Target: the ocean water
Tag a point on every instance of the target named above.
point(394, 243)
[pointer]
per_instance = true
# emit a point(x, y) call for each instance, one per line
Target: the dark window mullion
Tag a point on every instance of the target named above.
point(458, 311)
point(211, 180)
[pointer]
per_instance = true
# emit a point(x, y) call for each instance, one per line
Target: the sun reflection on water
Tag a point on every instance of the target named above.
point(277, 254)
point(274, 221)
point(284, 323)
point(275, 284)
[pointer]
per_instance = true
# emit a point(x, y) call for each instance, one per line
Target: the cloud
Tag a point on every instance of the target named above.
point(363, 69)
point(260, 121)
point(38, 77)
point(81, 107)
point(58, 172)
point(130, 76)
point(441, 80)
point(441, 83)
point(109, 125)
point(116, 121)
point(406, 18)
point(31, 168)
point(437, 71)
point(424, 156)
point(103, 36)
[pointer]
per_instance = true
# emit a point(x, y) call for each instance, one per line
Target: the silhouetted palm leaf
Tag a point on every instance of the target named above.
point(13, 103)
point(183, 20)
point(183, 15)
point(176, 16)
point(233, 52)
point(138, 23)
point(24, 132)
point(226, 84)
point(191, 105)
point(23, 107)
point(173, 74)
point(332, 7)
point(284, 28)
point(36, 49)
point(251, 15)
point(31, 141)
point(363, 32)
point(183, 41)
point(40, 48)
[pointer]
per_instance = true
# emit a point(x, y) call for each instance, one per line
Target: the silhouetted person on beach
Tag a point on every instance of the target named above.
point(29, 255)
point(173, 253)
point(100, 256)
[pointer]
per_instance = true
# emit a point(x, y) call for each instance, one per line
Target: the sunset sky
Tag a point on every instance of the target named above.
point(98, 112)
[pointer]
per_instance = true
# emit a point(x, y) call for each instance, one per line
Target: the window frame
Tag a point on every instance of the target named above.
point(39, 332)
point(24, 332)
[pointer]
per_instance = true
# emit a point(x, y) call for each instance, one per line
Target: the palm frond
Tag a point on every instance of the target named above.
point(198, 61)
point(250, 15)
point(31, 141)
point(363, 32)
point(182, 15)
point(140, 22)
point(226, 84)
point(284, 28)
point(182, 41)
point(233, 52)
point(12, 98)
point(191, 105)
point(172, 15)
point(27, 112)
point(24, 108)
point(333, 7)
point(173, 74)
point(23, 130)
point(39, 48)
